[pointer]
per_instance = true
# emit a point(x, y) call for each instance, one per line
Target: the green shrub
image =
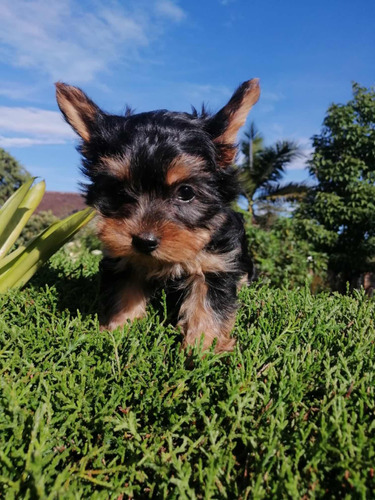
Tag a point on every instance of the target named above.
point(282, 258)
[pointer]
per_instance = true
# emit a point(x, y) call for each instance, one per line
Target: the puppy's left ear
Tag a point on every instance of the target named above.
point(224, 126)
point(78, 110)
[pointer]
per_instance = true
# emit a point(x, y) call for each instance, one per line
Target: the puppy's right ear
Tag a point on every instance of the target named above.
point(79, 111)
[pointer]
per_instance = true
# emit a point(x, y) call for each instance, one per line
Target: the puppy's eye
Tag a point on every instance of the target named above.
point(185, 193)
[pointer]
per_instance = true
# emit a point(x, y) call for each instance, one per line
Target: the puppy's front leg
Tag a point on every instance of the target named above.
point(124, 294)
point(209, 309)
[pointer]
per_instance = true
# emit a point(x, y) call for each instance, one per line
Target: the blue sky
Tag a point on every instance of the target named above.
point(173, 54)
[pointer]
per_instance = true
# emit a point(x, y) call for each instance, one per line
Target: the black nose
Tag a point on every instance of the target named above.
point(145, 242)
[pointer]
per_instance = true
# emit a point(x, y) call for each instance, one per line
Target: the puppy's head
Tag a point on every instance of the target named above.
point(161, 181)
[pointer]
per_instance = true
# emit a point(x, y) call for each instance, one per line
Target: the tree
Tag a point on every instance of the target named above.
point(12, 175)
point(337, 215)
point(263, 168)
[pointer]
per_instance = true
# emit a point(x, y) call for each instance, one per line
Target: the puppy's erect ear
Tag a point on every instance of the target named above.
point(224, 126)
point(79, 111)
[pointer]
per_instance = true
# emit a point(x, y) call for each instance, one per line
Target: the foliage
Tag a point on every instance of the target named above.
point(338, 214)
point(89, 414)
point(12, 175)
point(282, 258)
point(17, 267)
point(263, 168)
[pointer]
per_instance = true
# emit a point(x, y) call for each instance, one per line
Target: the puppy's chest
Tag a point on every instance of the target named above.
point(204, 262)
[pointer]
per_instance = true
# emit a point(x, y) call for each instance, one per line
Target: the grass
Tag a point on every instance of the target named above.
point(85, 414)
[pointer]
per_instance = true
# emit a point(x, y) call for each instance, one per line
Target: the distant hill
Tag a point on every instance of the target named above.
point(61, 204)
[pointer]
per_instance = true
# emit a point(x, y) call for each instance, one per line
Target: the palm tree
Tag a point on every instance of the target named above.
point(263, 168)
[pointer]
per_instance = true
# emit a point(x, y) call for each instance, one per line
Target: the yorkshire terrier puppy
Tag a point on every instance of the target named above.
point(162, 183)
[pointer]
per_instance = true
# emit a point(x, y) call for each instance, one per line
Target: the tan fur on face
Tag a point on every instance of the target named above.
point(116, 235)
point(119, 166)
point(183, 167)
point(198, 318)
point(177, 244)
point(77, 108)
point(181, 250)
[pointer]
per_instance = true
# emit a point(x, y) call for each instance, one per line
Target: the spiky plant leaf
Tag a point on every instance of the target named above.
point(292, 191)
point(21, 268)
point(17, 211)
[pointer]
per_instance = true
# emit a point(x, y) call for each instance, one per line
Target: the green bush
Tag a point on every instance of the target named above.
point(282, 258)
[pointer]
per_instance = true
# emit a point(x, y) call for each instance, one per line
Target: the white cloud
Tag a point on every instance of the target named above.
point(24, 142)
point(170, 10)
point(24, 127)
point(66, 42)
point(35, 121)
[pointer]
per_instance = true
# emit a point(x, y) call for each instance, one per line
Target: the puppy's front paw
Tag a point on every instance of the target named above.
point(123, 317)
point(224, 344)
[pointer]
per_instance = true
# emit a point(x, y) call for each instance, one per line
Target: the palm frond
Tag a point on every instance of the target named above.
point(271, 162)
point(263, 168)
point(292, 191)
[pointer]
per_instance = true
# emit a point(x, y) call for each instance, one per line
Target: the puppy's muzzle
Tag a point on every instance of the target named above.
point(145, 243)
